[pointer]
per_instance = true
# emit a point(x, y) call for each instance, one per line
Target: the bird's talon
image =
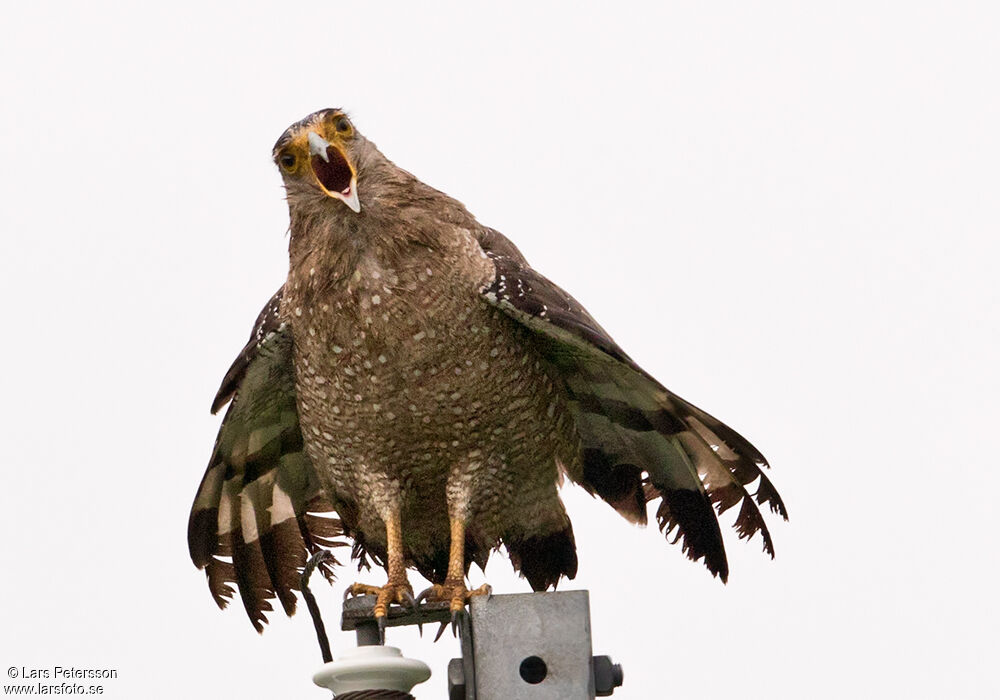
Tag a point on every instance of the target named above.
point(455, 593)
point(441, 629)
point(398, 593)
point(426, 593)
point(456, 617)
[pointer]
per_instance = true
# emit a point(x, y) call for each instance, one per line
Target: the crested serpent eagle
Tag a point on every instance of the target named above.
point(417, 389)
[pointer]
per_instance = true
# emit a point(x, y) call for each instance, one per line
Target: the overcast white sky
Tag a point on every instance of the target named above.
point(787, 213)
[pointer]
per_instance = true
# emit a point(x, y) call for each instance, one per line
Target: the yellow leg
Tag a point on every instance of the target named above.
point(397, 589)
point(453, 589)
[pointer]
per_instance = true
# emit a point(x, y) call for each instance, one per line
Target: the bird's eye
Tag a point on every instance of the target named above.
point(343, 126)
point(287, 160)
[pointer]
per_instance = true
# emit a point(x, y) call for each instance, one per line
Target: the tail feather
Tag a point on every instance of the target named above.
point(544, 559)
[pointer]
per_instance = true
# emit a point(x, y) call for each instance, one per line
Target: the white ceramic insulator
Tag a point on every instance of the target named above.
point(371, 668)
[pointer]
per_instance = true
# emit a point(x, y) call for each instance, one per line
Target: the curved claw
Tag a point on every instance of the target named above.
point(456, 621)
point(410, 600)
point(422, 596)
point(441, 629)
point(381, 620)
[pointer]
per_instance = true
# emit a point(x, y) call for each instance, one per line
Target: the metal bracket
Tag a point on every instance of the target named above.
point(534, 646)
point(357, 615)
point(530, 646)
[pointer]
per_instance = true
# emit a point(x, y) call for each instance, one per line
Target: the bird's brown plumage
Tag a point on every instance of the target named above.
point(415, 369)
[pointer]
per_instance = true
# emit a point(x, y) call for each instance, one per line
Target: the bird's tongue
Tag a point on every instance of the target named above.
point(335, 173)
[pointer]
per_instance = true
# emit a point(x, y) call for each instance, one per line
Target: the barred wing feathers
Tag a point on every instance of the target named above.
point(639, 441)
point(257, 514)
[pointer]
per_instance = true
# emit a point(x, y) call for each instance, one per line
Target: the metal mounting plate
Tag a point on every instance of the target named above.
point(549, 630)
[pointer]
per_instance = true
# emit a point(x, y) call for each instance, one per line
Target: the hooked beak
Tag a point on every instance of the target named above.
point(333, 173)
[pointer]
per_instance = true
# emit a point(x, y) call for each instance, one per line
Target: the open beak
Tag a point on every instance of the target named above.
point(333, 173)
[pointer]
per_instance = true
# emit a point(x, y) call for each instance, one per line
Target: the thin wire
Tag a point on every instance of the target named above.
point(324, 641)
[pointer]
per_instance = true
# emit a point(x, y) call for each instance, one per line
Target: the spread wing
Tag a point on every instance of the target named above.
point(640, 441)
point(256, 517)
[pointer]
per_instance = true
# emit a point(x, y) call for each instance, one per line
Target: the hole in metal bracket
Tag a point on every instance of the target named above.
point(533, 670)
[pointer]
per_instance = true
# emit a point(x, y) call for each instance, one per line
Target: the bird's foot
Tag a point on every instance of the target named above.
point(399, 592)
point(455, 593)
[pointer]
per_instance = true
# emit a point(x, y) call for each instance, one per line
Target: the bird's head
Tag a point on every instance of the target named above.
point(320, 155)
